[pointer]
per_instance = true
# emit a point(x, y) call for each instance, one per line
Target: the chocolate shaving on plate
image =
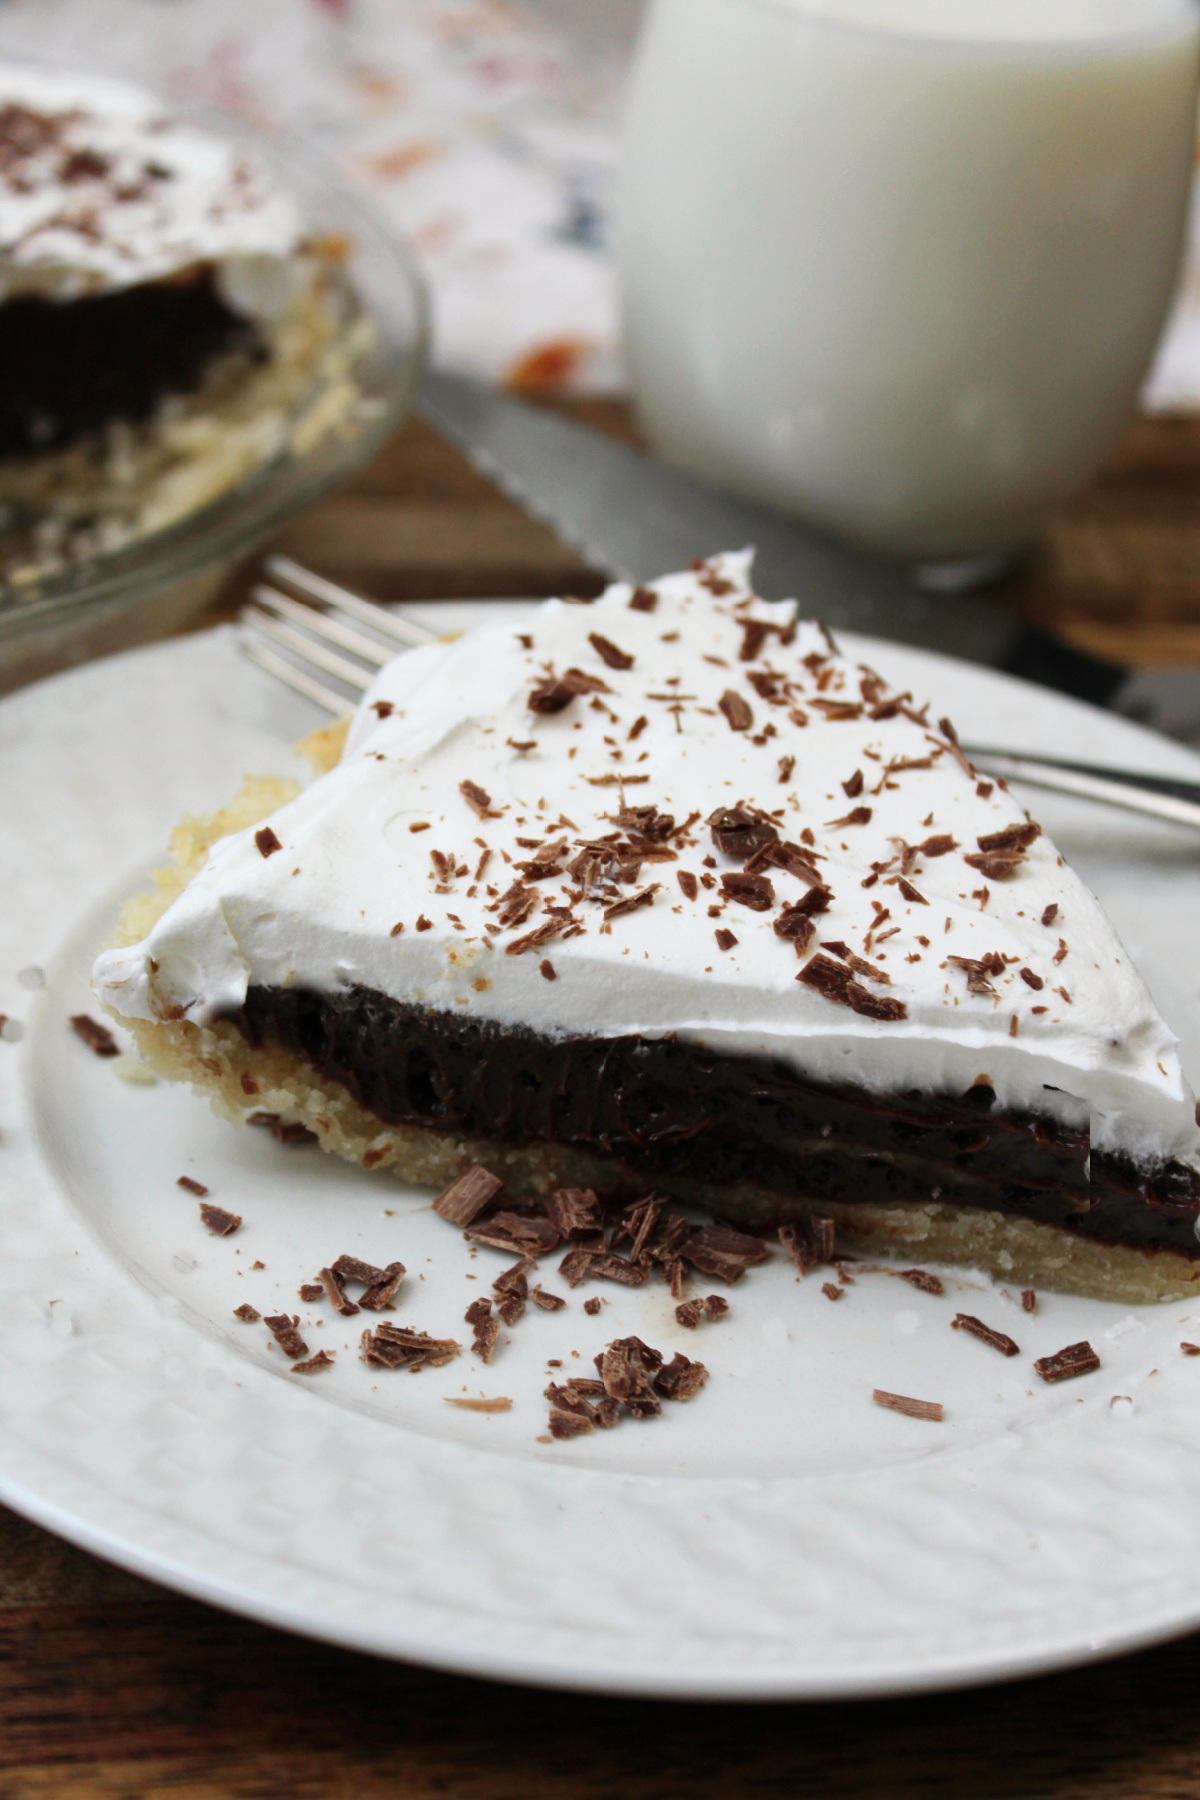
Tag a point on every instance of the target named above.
point(285, 1334)
point(921, 1278)
point(322, 1360)
point(219, 1222)
point(400, 1347)
point(192, 1187)
point(335, 1291)
point(798, 1248)
point(1064, 1365)
point(381, 1293)
point(312, 1291)
point(98, 1038)
point(572, 1210)
point(500, 1403)
point(526, 1234)
point(913, 1409)
point(249, 1315)
point(465, 1199)
point(998, 1340)
point(719, 1250)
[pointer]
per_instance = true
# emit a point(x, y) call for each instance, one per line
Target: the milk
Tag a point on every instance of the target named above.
point(899, 266)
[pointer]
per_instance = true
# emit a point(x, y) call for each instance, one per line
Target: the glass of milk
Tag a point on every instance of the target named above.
point(899, 266)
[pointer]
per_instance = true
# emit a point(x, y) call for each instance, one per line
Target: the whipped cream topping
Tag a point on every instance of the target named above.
point(681, 809)
point(100, 190)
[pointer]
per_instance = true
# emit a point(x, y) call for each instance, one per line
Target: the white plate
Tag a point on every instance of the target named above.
point(778, 1537)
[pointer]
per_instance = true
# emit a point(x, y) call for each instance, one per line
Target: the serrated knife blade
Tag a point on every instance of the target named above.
point(631, 516)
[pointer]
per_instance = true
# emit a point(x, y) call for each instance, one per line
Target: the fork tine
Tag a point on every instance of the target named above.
point(295, 678)
point(353, 674)
point(329, 593)
point(323, 625)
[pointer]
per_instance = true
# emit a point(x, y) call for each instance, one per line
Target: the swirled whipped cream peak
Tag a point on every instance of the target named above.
point(680, 810)
point(101, 190)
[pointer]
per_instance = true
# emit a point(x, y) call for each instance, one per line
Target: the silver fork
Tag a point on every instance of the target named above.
point(290, 637)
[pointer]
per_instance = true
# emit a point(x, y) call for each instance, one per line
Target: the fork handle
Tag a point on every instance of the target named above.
point(1155, 796)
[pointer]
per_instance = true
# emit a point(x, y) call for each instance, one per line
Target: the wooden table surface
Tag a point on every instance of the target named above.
point(112, 1688)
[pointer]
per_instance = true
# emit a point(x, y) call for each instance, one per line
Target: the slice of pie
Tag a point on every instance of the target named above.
point(665, 893)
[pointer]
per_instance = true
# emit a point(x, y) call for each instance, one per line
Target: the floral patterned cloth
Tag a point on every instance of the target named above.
point(485, 140)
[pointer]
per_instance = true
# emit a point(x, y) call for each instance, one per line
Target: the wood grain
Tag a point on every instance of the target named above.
point(111, 1689)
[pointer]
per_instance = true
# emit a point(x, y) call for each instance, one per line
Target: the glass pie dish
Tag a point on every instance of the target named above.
point(69, 608)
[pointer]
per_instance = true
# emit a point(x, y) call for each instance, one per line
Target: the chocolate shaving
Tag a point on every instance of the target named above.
point(1189, 1349)
point(690, 1312)
point(1013, 837)
point(680, 1379)
point(267, 842)
point(249, 1315)
point(608, 652)
point(921, 1278)
point(514, 1282)
point(644, 897)
point(553, 694)
point(527, 1234)
point(725, 938)
point(857, 963)
point(98, 1038)
point(192, 1187)
point(500, 1403)
point(286, 1335)
point(592, 1307)
point(719, 1250)
point(542, 934)
point(854, 787)
point(643, 599)
point(861, 815)
point(937, 846)
point(913, 1409)
point(1064, 1365)
point(486, 1332)
point(986, 1335)
point(219, 1222)
point(322, 1360)
point(477, 800)
point(823, 1231)
point(510, 1307)
point(311, 1291)
point(793, 922)
point(737, 710)
point(611, 1267)
point(549, 1302)
point(737, 832)
point(572, 1210)
point(400, 1347)
point(1050, 914)
point(754, 891)
point(687, 883)
point(910, 892)
point(1028, 1300)
point(381, 1293)
point(997, 865)
point(837, 984)
point(353, 1268)
point(335, 1291)
point(977, 970)
point(831, 1291)
point(798, 1248)
point(466, 1198)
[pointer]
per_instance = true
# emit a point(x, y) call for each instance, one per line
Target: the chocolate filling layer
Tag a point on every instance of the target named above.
point(675, 1109)
point(71, 366)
